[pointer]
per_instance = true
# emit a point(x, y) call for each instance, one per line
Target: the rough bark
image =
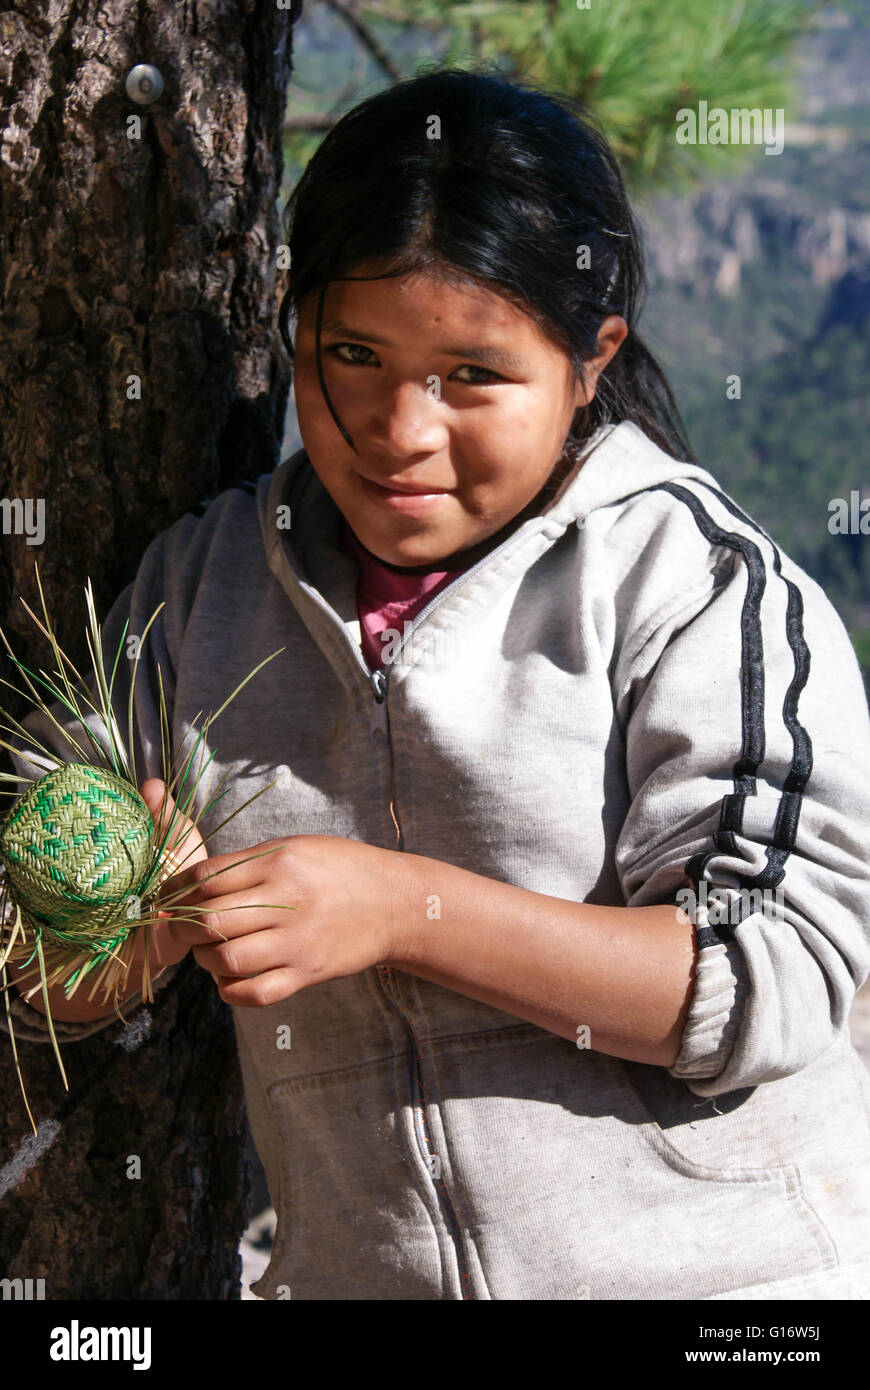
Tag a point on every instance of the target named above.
point(150, 257)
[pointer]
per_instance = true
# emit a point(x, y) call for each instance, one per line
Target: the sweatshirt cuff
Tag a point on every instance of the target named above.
point(32, 1026)
point(715, 1014)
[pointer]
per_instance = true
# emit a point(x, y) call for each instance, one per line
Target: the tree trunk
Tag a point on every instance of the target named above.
point(141, 370)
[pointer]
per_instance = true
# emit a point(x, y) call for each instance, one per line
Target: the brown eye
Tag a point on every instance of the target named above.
point(354, 347)
point(470, 367)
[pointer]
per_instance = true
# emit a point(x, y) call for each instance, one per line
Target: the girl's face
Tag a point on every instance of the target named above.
point(448, 390)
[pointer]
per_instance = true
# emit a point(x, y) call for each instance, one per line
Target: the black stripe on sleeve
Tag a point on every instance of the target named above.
point(802, 757)
point(752, 713)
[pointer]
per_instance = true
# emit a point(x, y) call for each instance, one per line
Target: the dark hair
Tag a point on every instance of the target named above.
point(504, 194)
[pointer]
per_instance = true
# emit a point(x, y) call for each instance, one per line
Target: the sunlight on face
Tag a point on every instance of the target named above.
point(405, 365)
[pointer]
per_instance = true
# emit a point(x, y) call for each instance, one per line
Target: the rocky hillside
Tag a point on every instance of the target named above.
point(766, 275)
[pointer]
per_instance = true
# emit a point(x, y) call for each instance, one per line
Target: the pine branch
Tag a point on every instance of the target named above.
point(352, 18)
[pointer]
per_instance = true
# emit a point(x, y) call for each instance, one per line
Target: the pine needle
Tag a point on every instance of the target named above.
point(99, 943)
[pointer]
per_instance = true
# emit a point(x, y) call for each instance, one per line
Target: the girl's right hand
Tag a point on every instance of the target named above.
point(185, 847)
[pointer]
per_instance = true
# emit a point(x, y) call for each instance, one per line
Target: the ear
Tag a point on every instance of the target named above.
point(611, 335)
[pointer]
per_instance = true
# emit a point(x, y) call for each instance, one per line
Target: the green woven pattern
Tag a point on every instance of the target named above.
point(75, 846)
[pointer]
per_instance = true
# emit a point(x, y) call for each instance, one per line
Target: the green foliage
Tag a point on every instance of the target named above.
point(636, 63)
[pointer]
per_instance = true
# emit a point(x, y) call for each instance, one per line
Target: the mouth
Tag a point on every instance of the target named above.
point(404, 498)
point(407, 489)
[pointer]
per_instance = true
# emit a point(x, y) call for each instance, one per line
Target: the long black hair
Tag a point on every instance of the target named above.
point(474, 176)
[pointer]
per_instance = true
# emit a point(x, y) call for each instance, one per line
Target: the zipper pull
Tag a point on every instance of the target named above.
point(378, 721)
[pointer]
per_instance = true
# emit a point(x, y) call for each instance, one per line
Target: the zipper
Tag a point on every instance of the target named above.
point(387, 983)
point(385, 976)
point(378, 718)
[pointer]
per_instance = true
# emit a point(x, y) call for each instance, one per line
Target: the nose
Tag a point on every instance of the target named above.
point(406, 419)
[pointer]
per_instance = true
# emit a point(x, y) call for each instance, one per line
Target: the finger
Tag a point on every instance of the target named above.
point(244, 956)
point(161, 804)
point(262, 990)
point(220, 875)
point(233, 916)
point(190, 884)
point(153, 792)
point(162, 945)
point(182, 839)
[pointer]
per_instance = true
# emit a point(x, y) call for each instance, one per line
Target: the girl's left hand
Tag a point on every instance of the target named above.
point(343, 895)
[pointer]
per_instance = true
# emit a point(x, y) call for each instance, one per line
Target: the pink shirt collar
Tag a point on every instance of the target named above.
point(380, 584)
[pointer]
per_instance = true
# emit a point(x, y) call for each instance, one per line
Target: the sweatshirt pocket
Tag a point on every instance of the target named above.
point(811, 1119)
point(569, 1189)
point(351, 1220)
point(771, 1142)
point(723, 1137)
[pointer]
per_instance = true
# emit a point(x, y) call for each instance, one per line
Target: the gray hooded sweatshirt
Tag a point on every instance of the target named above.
point(636, 698)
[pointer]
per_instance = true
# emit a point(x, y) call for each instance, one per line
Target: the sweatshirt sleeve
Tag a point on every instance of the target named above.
point(747, 739)
point(160, 646)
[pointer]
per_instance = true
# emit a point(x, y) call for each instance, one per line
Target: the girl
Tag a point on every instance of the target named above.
point(575, 790)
